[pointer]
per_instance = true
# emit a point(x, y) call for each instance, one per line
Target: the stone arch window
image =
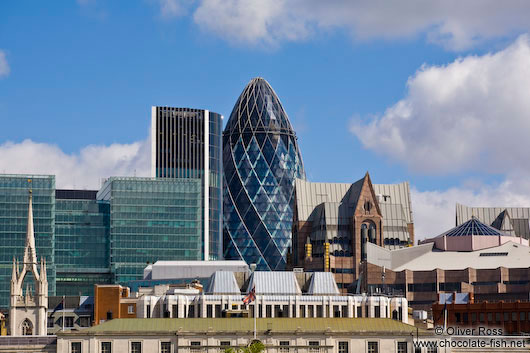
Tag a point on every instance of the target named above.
point(369, 231)
point(27, 328)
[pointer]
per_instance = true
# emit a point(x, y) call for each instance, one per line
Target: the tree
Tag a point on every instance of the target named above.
point(254, 347)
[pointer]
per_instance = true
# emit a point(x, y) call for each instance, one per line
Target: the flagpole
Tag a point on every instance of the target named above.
point(63, 311)
point(255, 314)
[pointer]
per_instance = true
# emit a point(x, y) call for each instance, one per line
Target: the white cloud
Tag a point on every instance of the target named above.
point(472, 114)
point(172, 8)
point(434, 211)
point(454, 24)
point(4, 66)
point(82, 170)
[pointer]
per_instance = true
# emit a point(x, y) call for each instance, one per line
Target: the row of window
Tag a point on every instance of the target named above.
point(268, 310)
point(195, 346)
point(505, 316)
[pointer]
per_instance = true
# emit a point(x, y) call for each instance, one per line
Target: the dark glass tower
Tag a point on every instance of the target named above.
point(186, 144)
point(261, 162)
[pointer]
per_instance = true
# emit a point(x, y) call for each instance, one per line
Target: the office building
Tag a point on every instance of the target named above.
point(186, 144)
point(461, 310)
point(151, 220)
point(13, 224)
point(261, 162)
point(284, 335)
point(421, 272)
point(82, 242)
point(278, 294)
point(333, 222)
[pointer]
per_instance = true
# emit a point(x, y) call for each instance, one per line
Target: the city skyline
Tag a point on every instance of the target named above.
point(438, 102)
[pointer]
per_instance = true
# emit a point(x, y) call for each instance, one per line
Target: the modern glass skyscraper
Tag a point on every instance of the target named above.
point(82, 244)
point(13, 224)
point(186, 143)
point(150, 220)
point(261, 162)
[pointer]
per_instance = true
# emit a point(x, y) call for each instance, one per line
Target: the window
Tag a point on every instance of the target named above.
point(522, 316)
point(417, 350)
point(136, 347)
point(377, 311)
point(106, 347)
point(506, 316)
point(498, 317)
point(130, 309)
point(490, 317)
point(402, 347)
point(432, 349)
point(373, 347)
point(68, 321)
point(165, 347)
point(50, 322)
point(84, 321)
point(514, 316)
point(195, 346)
point(175, 311)
point(225, 344)
point(148, 311)
point(482, 317)
point(359, 311)
point(284, 346)
point(75, 347)
point(343, 347)
point(314, 346)
point(319, 311)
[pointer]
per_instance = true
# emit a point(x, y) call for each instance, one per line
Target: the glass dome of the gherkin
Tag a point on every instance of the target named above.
point(261, 162)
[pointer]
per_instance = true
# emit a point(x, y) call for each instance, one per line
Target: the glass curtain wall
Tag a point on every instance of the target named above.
point(13, 226)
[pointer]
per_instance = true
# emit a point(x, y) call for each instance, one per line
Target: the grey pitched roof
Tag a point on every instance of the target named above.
point(334, 203)
point(323, 283)
point(520, 217)
point(223, 282)
point(274, 283)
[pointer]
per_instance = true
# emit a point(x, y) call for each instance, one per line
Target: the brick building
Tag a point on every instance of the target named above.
point(512, 317)
point(334, 222)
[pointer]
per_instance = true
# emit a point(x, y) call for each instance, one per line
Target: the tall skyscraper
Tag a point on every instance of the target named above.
point(186, 143)
point(261, 162)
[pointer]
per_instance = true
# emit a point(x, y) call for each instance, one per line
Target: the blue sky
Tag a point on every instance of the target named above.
point(423, 92)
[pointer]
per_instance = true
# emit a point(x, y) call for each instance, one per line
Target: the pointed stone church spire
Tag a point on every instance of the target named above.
point(31, 305)
point(30, 256)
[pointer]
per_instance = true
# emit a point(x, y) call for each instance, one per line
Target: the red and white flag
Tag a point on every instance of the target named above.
point(251, 296)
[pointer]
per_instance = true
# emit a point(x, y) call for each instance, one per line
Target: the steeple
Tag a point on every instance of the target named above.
point(30, 256)
point(35, 299)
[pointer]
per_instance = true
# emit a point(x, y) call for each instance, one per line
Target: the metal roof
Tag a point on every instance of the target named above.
point(518, 217)
point(223, 282)
point(334, 203)
point(274, 283)
point(425, 258)
point(472, 227)
point(353, 326)
point(323, 283)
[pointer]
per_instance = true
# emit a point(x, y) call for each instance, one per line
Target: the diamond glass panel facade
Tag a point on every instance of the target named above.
point(261, 161)
point(81, 242)
point(13, 224)
point(151, 220)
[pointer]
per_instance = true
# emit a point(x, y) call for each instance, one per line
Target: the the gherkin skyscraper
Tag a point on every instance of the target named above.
point(261, 161)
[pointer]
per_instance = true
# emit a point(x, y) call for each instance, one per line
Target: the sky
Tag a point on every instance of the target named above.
point(431, 92)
